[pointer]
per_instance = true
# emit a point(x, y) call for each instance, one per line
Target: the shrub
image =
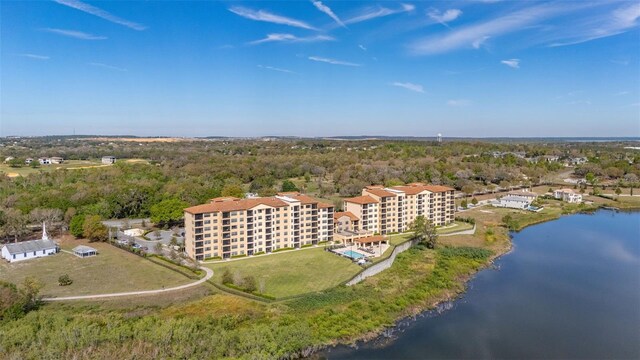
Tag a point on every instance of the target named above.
point(76, 225)
point(227, 277)
point(250, 284)
point(64, 280)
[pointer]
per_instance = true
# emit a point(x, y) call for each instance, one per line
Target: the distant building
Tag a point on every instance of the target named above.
point(44, 161)
point(531, 196)
point(84, 251)
point(577, 161)
point(567, 195)
point(513, 202)
point(8, 158)
point(28, 161)
point(108, 160)
point(56, 160)
point(30, 249)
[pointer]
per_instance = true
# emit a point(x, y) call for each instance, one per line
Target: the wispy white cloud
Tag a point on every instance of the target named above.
point(75, 34)
point(600, 26)
point(261, 15)
point(90, 9)
point(362, 47)
point(458, 102)
point(379, 11)
point(292, 38)
point(513, 63)
point(276, 69)
point(325, 9)
point(472, 35)
point(621, 93)
point(620, 62)
point(332, 61)
point(34, 56)
point(106, 66)
point(409, 86)
point(477, 44)
point(579, 102)
point(445, 17)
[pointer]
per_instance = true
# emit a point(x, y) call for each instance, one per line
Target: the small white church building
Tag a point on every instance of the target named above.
point(30, 249)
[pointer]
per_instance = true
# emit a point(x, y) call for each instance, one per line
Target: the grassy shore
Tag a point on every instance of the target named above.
point(226, 326)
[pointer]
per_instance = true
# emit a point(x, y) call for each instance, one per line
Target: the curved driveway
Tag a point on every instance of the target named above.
point(131, 293)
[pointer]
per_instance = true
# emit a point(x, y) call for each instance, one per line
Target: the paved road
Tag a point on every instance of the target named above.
point(132, 293)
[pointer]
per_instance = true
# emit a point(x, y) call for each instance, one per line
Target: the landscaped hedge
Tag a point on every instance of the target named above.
point(184, 270)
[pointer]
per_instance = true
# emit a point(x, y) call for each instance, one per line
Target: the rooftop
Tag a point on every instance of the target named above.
point(340, 214)
point(362, 200)
point(30, 246)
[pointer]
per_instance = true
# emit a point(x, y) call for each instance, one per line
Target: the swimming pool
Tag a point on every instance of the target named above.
point(353, 254)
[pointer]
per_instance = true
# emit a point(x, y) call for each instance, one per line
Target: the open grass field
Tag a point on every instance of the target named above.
point(112, 270)
point(454, 227)
point(293, 272)
point(69, 164)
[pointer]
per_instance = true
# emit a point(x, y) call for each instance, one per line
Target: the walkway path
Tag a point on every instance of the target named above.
point(131, 293)
point(462, 232)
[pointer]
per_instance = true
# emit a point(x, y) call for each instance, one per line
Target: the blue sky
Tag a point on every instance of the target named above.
point(320, 68)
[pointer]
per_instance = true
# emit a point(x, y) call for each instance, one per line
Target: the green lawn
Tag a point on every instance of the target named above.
point(454, 227)
point(112, 270)
point(292, 272)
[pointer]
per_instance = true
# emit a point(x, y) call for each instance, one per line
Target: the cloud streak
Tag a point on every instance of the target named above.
point(472, 35)
point(325, 9)
point(409, 86)
point(106, 66)
point(34, 56)
point(90, 9)
point(444, 18)
point(458, 102)
point(332, 61)
point(616, 22)
point(292, 39)
point(512, 63)
point(261, 15)
point(377, 12)
point(273, 68)
point(75, 34)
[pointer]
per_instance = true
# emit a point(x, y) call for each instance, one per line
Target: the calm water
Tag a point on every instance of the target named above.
point(569, 290)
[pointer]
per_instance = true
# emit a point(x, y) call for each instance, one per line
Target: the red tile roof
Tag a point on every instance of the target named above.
point(340, 214)
point(362, 200)
point(379, 191)
point(371, 239)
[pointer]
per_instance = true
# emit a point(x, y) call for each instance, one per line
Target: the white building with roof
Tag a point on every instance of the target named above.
point(512, 202)
point(30, 249)
point(567, 195)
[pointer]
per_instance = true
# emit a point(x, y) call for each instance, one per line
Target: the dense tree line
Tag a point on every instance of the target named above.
point(191, 172)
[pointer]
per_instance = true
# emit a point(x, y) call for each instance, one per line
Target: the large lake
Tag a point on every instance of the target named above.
point(570, 289)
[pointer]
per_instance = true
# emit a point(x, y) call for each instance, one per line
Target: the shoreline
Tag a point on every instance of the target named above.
point(385, 334)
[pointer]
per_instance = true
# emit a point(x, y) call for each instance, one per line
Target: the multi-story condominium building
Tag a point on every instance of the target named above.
point(366, 209)
point(393, 209)
point(227, 226)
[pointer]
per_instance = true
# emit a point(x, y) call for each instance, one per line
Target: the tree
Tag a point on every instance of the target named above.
point(250, 284)
point(233, 190)
point(93, 229)
point(167, 212)
point(14, 223)
point(47, 216)
point(158, 247)
point(424, 230)
point(76, 225)
point(464, 203)
point(11, 303)
point(474, 201)
point(618, 191)
point(30, 292)
point(64, 280)
point(288, 186)
point(227, 277)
